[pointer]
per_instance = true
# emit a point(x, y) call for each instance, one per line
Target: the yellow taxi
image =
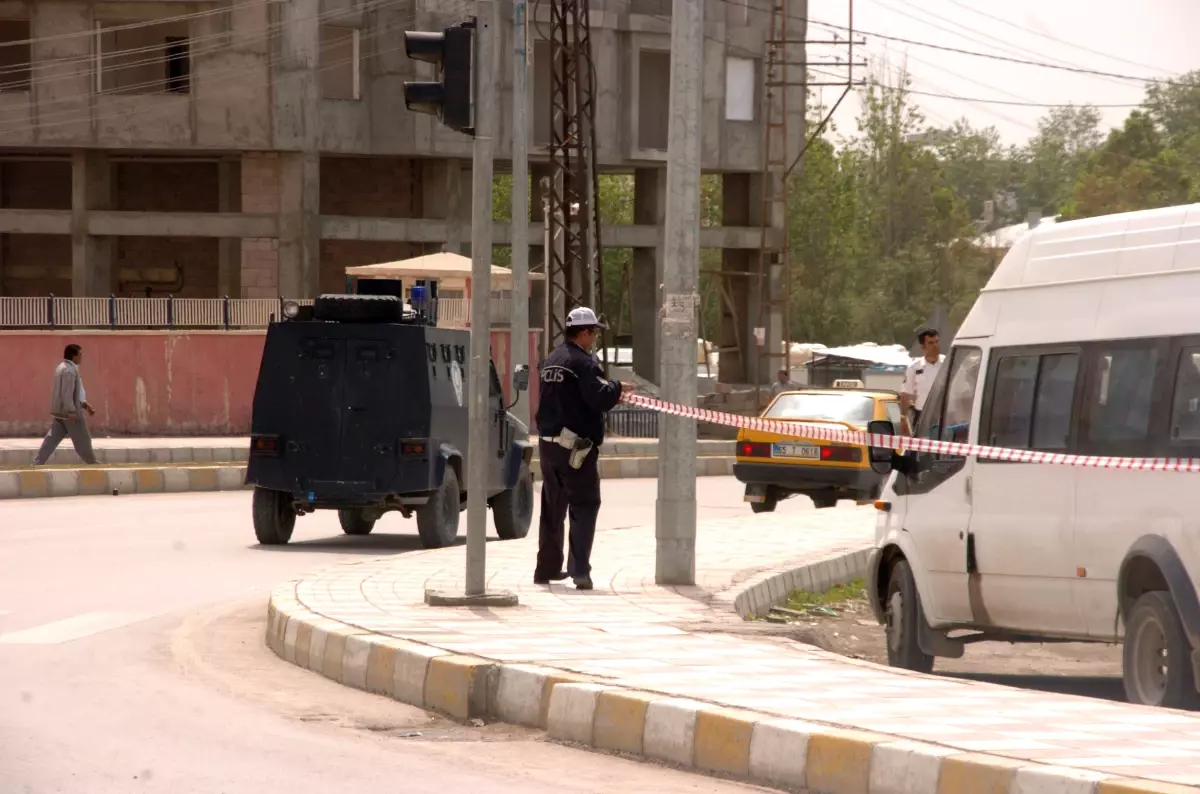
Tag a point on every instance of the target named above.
point(774, 467)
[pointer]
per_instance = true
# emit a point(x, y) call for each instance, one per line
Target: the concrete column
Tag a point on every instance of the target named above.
point(91, 257)
point(299, 224)
point(649, 207)
point(229, 252)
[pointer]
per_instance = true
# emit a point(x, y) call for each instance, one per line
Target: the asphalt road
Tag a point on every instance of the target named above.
point(132, 656)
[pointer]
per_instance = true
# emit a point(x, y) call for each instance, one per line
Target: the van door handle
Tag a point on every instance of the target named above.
point(970, 490)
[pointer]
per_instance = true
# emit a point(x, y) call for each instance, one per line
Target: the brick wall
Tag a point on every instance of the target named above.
point(35, 185)
point(260, 255)
point(380, 187)
point(32, 265)
point(164, 187)
point(337, 255)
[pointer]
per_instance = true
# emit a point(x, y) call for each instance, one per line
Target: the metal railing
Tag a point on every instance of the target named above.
point(190, 313)
point(630, 422)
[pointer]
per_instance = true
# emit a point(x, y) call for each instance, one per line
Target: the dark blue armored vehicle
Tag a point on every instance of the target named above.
point(361, 407)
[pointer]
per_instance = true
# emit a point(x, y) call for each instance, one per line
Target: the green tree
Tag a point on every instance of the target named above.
point(1056, 157)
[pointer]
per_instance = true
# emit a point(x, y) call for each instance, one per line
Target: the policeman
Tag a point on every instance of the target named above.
point(573, 400)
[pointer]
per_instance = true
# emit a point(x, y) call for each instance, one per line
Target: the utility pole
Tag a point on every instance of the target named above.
point(519, 323)
point(675, 524)
point(479, 441)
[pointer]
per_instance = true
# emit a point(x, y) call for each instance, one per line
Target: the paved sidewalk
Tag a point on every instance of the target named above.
point(629, 634)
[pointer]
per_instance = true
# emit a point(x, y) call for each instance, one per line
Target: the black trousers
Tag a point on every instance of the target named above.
point(567, 491)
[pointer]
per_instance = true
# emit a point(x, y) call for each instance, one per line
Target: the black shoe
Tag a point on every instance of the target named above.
point(558, 577)
point(583, 583)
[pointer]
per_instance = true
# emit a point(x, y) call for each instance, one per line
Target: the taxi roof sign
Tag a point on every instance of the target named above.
point(848, 383)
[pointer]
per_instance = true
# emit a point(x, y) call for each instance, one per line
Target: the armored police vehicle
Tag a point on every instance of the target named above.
point(361, 407)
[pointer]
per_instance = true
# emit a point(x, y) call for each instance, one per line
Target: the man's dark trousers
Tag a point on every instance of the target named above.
point(567, 491)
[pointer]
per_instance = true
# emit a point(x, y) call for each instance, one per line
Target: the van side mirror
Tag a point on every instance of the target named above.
point(881, 457)
point(520, 378)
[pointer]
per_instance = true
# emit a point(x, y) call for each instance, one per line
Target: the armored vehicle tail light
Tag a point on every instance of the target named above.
point(413, 447)
point(264, 445)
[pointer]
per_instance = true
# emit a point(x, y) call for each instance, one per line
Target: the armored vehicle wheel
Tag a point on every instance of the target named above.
point(512, 510)
point(358, 308)
point(355, 521)
point(274, 518)
point(437, 520)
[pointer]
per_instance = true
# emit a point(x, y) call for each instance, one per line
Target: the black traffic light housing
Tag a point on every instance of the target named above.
point(452, 97)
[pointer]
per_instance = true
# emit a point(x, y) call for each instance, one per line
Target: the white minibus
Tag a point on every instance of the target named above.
point(1085, 340)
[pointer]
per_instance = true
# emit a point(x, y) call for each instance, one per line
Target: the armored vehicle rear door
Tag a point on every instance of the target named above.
point(368, 453)
point(315, 407)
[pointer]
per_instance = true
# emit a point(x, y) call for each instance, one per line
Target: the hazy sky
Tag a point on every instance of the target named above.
point(1154, 38)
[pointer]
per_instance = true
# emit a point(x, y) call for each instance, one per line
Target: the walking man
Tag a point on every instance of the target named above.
point(68, 402)
point(919, 378)
point(574, 398)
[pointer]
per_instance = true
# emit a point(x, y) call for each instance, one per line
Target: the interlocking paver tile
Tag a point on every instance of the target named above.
point(637, 634)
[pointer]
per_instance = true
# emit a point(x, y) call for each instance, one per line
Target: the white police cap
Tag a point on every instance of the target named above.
point(583, 317)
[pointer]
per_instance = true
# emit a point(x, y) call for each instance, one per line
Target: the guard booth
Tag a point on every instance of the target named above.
point(439, 285)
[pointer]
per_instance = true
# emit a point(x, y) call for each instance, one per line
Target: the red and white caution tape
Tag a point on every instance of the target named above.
point(805, 430)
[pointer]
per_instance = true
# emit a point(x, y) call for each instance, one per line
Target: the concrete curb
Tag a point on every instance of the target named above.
point(34, 483)
point(759, 593)
point(787, 753)
point(96, 481)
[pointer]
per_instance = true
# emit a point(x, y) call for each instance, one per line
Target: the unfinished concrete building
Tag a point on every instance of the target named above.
point(257, 148)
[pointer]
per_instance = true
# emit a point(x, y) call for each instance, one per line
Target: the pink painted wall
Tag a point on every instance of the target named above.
point(153, 383)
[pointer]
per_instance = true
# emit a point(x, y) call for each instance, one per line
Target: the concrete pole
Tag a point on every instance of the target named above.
point(519, 325)
point(479, 449)
point(675, 525)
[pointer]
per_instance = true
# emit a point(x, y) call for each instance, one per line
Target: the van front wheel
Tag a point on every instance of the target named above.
point(903, 613)
point(1157, 656)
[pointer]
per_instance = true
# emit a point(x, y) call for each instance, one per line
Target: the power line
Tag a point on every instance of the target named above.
point(72, 101)
point(977, 54)
point(68, 116)
point(1036, 32)
point(991, 41)
point(1017, 103)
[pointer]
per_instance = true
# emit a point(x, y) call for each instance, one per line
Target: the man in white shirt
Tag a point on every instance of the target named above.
point(919, 377)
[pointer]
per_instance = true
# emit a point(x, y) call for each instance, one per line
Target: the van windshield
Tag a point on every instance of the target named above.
point(854, 409)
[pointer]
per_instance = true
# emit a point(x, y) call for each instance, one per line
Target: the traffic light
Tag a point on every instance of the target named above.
point(452, 97)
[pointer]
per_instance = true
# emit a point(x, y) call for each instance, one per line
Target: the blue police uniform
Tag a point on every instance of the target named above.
point(574, 396)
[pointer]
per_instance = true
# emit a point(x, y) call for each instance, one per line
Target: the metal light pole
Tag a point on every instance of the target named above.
point(675, 525)
point(479, 441)
point(519, 322)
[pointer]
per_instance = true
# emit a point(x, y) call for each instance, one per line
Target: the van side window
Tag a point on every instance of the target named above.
point(1121, 394)
point(1055, 396)
point(960, 394)
point(1032, 400)
point(947, 414)
point(1185, 408)
point(1012, 402)
point(893, 415)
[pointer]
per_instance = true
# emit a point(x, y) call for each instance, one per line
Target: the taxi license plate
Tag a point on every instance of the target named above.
point(790, 450)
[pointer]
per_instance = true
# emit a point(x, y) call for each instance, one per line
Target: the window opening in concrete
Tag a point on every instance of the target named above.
point(654, 98)
point(739, 89)
point(178, 65)
point(15, 55)
point(340, 58)
point(142, 58)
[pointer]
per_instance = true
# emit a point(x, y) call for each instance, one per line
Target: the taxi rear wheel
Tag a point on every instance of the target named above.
point(767, 505)
point(824, 500)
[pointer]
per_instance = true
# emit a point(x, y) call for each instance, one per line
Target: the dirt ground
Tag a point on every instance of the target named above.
point(842, 622)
